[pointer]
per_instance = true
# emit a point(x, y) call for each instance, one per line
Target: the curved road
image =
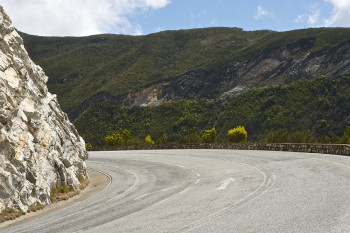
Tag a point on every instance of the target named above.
point(210, 191)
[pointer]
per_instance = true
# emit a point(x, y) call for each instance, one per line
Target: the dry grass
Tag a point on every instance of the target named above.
point(64, 192)
point(64, 196)
point(35, 207)
point(83, 182)
point(59, 193)
point(10, 214)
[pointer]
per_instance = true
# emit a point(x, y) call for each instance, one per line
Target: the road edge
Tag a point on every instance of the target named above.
point(98, 182)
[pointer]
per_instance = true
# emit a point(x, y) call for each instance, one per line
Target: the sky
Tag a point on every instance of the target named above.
point(140, 17)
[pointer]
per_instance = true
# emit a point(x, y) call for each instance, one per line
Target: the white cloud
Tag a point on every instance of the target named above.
point(340, 14)
point(78, 17)
point(262, 13)
point(312, 17)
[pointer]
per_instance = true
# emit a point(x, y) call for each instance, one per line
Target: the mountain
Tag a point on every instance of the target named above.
point(40, 149)
point(212, 64)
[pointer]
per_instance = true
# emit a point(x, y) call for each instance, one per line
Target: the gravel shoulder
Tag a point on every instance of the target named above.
point(98, 182)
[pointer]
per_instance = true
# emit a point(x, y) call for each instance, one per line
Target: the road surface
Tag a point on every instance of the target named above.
point(210, 191)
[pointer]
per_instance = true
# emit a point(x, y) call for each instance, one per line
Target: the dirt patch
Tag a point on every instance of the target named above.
point(98, 182)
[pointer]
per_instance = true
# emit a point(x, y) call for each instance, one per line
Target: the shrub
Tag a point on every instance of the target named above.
point(126, 136)
point(118, 138)
point(114, 139)
point(88, 146)
point(149, 140)
point(237, 134)
point(209, 136)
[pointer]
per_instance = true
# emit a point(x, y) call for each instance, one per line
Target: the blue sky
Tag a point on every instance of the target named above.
point(86, 17)
point(250, 14)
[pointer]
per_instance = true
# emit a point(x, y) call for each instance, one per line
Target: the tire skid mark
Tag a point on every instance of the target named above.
point(266, 185)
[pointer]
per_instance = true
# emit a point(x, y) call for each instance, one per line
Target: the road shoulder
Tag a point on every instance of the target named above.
point(98, 182)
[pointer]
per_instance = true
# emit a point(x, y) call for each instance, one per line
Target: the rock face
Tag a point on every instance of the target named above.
point(270, 67)
point(39, 147)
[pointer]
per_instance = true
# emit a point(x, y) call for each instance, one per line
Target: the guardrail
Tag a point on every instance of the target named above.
point(337, 149)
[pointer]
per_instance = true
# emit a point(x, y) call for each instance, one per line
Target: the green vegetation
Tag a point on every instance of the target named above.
point(88, 146)
point(311, 110)
point(237, 134)
point(61, 192)
point(304, 111)
point(148, 140)
point(210, 136)
point(118, 64)
point(346, 137)
point(284, 136)
point(117, 138)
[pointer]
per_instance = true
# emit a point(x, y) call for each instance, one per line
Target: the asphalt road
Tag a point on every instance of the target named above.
point(210, 191)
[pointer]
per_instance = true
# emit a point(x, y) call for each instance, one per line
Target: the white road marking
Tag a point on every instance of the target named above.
point(225, 183)
point(198, 175)
point(183, 191)
point(142, 196)
point(199, 222)
point(268, 182)
point(198, 180)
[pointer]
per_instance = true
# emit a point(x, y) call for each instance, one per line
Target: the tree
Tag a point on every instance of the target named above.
point(209, 136)
point(149, 140)
point(237, 134)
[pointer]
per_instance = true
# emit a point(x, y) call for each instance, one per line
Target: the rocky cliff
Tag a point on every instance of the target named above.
point(39, 147)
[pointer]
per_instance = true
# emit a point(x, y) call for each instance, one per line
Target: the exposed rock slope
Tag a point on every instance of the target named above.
point(39, 147)
point(188, 64)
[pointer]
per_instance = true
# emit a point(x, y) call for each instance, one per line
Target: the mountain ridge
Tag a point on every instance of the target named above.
point(156, 73)
point(120, 65)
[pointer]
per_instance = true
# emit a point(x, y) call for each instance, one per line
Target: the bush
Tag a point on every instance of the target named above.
point(237, 134)
point(114, 139)
point(118, 138)
point(88, 146)
point(209, 136)
point(149, 140)
point(126, 136)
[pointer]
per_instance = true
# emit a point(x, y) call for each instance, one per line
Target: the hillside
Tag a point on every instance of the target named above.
point(316, 110)
point(183, 82)
point(218, 61)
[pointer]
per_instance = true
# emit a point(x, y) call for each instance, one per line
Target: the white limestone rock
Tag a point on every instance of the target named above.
point(39, 147)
